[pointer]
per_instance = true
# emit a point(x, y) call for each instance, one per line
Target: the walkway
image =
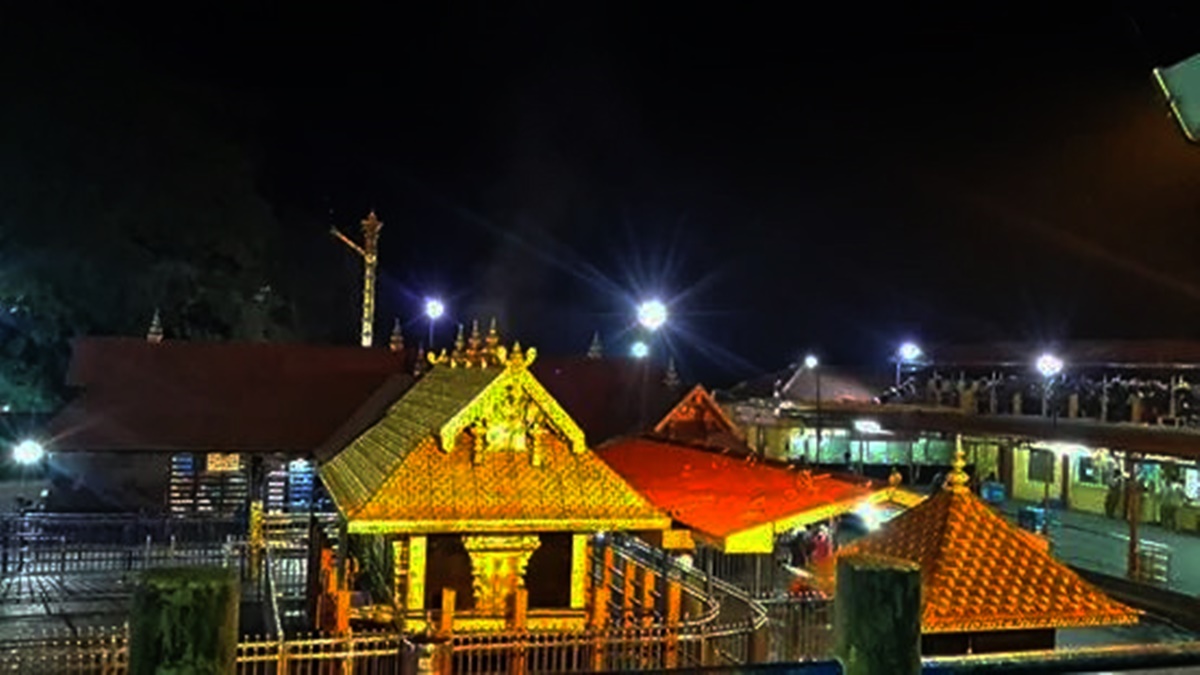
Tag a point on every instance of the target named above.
point(1101, 544)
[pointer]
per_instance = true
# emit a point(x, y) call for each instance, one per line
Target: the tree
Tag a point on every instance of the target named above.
point(123, 192)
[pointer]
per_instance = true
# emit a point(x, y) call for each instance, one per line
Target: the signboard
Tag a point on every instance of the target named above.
point(220, 462)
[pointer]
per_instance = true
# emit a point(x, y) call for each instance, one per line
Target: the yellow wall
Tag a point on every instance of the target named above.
point(1086, 496)
point(1029, 490)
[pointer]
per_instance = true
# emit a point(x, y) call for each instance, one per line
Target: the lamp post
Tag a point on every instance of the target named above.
point(811, 362)
point(1049, 366)
point(908, 352)
point(434, 309)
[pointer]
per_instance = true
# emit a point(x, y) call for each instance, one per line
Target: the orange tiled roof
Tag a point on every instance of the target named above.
point(719, 495)
point(980, 573)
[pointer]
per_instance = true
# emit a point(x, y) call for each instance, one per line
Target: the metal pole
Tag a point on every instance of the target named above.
point(898, 374)
point(1133, 512)
point(817, 373)
point(430, 335)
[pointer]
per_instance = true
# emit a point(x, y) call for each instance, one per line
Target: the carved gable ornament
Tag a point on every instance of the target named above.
point(513, 414)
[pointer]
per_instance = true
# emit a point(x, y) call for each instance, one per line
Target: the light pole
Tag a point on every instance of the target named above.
point(811, 362)
point(1049, 366)
point(369, 252)
point(434, 309)
point(908, 352)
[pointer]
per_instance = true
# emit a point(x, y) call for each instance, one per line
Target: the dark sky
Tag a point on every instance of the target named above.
point(793, 178)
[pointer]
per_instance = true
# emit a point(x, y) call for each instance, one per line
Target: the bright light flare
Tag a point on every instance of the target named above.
point(909, 352)
point(434, 309)
point(639, 350)
point(871, 516)
point(28, 452)
point(1049, 365)
point(811, 362)
point(652, 314)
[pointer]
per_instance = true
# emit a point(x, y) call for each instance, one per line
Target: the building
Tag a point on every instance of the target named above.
point(987, 586)
point(472, 485)
point(196, 428)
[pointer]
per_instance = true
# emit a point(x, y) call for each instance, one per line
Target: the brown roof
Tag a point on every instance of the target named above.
point(699, 420)
point(607, 397)
point(179, 396)
point(980, 573)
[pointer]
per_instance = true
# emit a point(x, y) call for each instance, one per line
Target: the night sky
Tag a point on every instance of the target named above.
point(791, 179)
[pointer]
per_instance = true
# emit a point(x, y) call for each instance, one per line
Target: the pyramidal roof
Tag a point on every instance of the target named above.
point(478, 445)
point(980, 573)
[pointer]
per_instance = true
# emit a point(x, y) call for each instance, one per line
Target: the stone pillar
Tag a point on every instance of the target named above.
point(498, 567)
point(878, 615)
point(1073, 405)
point(1016, 406)
point(579, 570)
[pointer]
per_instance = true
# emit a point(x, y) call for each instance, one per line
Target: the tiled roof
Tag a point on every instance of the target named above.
point(184, 396)
point(979, 573)
point(355, 475)
point(719, 495)
point(400, 476)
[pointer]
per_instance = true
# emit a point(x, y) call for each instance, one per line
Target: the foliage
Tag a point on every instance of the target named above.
point(185, 622)
point(123, 192)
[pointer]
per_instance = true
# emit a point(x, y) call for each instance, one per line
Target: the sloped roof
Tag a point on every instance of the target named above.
point(223, 396)
point(835, 385)
point(699, 420)
point(1082, 353)
point(980, 573)
point(421, 469)
point(608, 397)
point(721, 496)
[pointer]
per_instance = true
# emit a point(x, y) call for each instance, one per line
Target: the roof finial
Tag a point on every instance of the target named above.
point(672, 378)
point(596, 349)
point(396, 343)
point(155, 334)
point(493, 337)
point(419, 365)
point(958, 476)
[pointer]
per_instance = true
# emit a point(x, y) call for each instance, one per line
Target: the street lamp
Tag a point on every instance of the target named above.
point(652, 315)
point(812, 362)
point(1049, 366)
point(434, 309)
point(28, 452)
point(639, 350)
point(908, 352)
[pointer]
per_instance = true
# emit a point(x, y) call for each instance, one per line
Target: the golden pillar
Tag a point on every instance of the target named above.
point(579, 571)
point(498, 566)
point(415, 581)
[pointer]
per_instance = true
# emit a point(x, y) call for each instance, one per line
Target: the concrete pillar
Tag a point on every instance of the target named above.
point(1016, 403)
point(878, 615)
point(1073, 405)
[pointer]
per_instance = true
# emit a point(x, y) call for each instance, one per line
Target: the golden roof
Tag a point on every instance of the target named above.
point(980, 573)
point(478, 445)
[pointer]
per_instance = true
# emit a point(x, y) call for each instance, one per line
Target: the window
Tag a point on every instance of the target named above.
point(1041, 466)
point(1092, 471)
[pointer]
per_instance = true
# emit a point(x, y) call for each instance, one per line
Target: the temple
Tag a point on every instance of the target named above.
point(476, 481)
point(987, 586)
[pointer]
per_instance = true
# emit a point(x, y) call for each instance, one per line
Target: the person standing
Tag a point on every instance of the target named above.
point(1113, 501)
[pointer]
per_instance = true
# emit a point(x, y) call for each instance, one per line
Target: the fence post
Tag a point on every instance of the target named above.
point(649, 582)
point(628, 576)
point(674, 603)
point(520, 601)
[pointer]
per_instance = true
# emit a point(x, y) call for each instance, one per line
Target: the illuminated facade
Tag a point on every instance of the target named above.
point(475, 480)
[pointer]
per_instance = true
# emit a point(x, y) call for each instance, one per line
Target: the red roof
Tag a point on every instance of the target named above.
point(607, 397)
point(178, 396)
point(720, 495)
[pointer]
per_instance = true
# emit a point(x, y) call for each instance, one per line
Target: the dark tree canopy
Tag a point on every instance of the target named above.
point(124, 191)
